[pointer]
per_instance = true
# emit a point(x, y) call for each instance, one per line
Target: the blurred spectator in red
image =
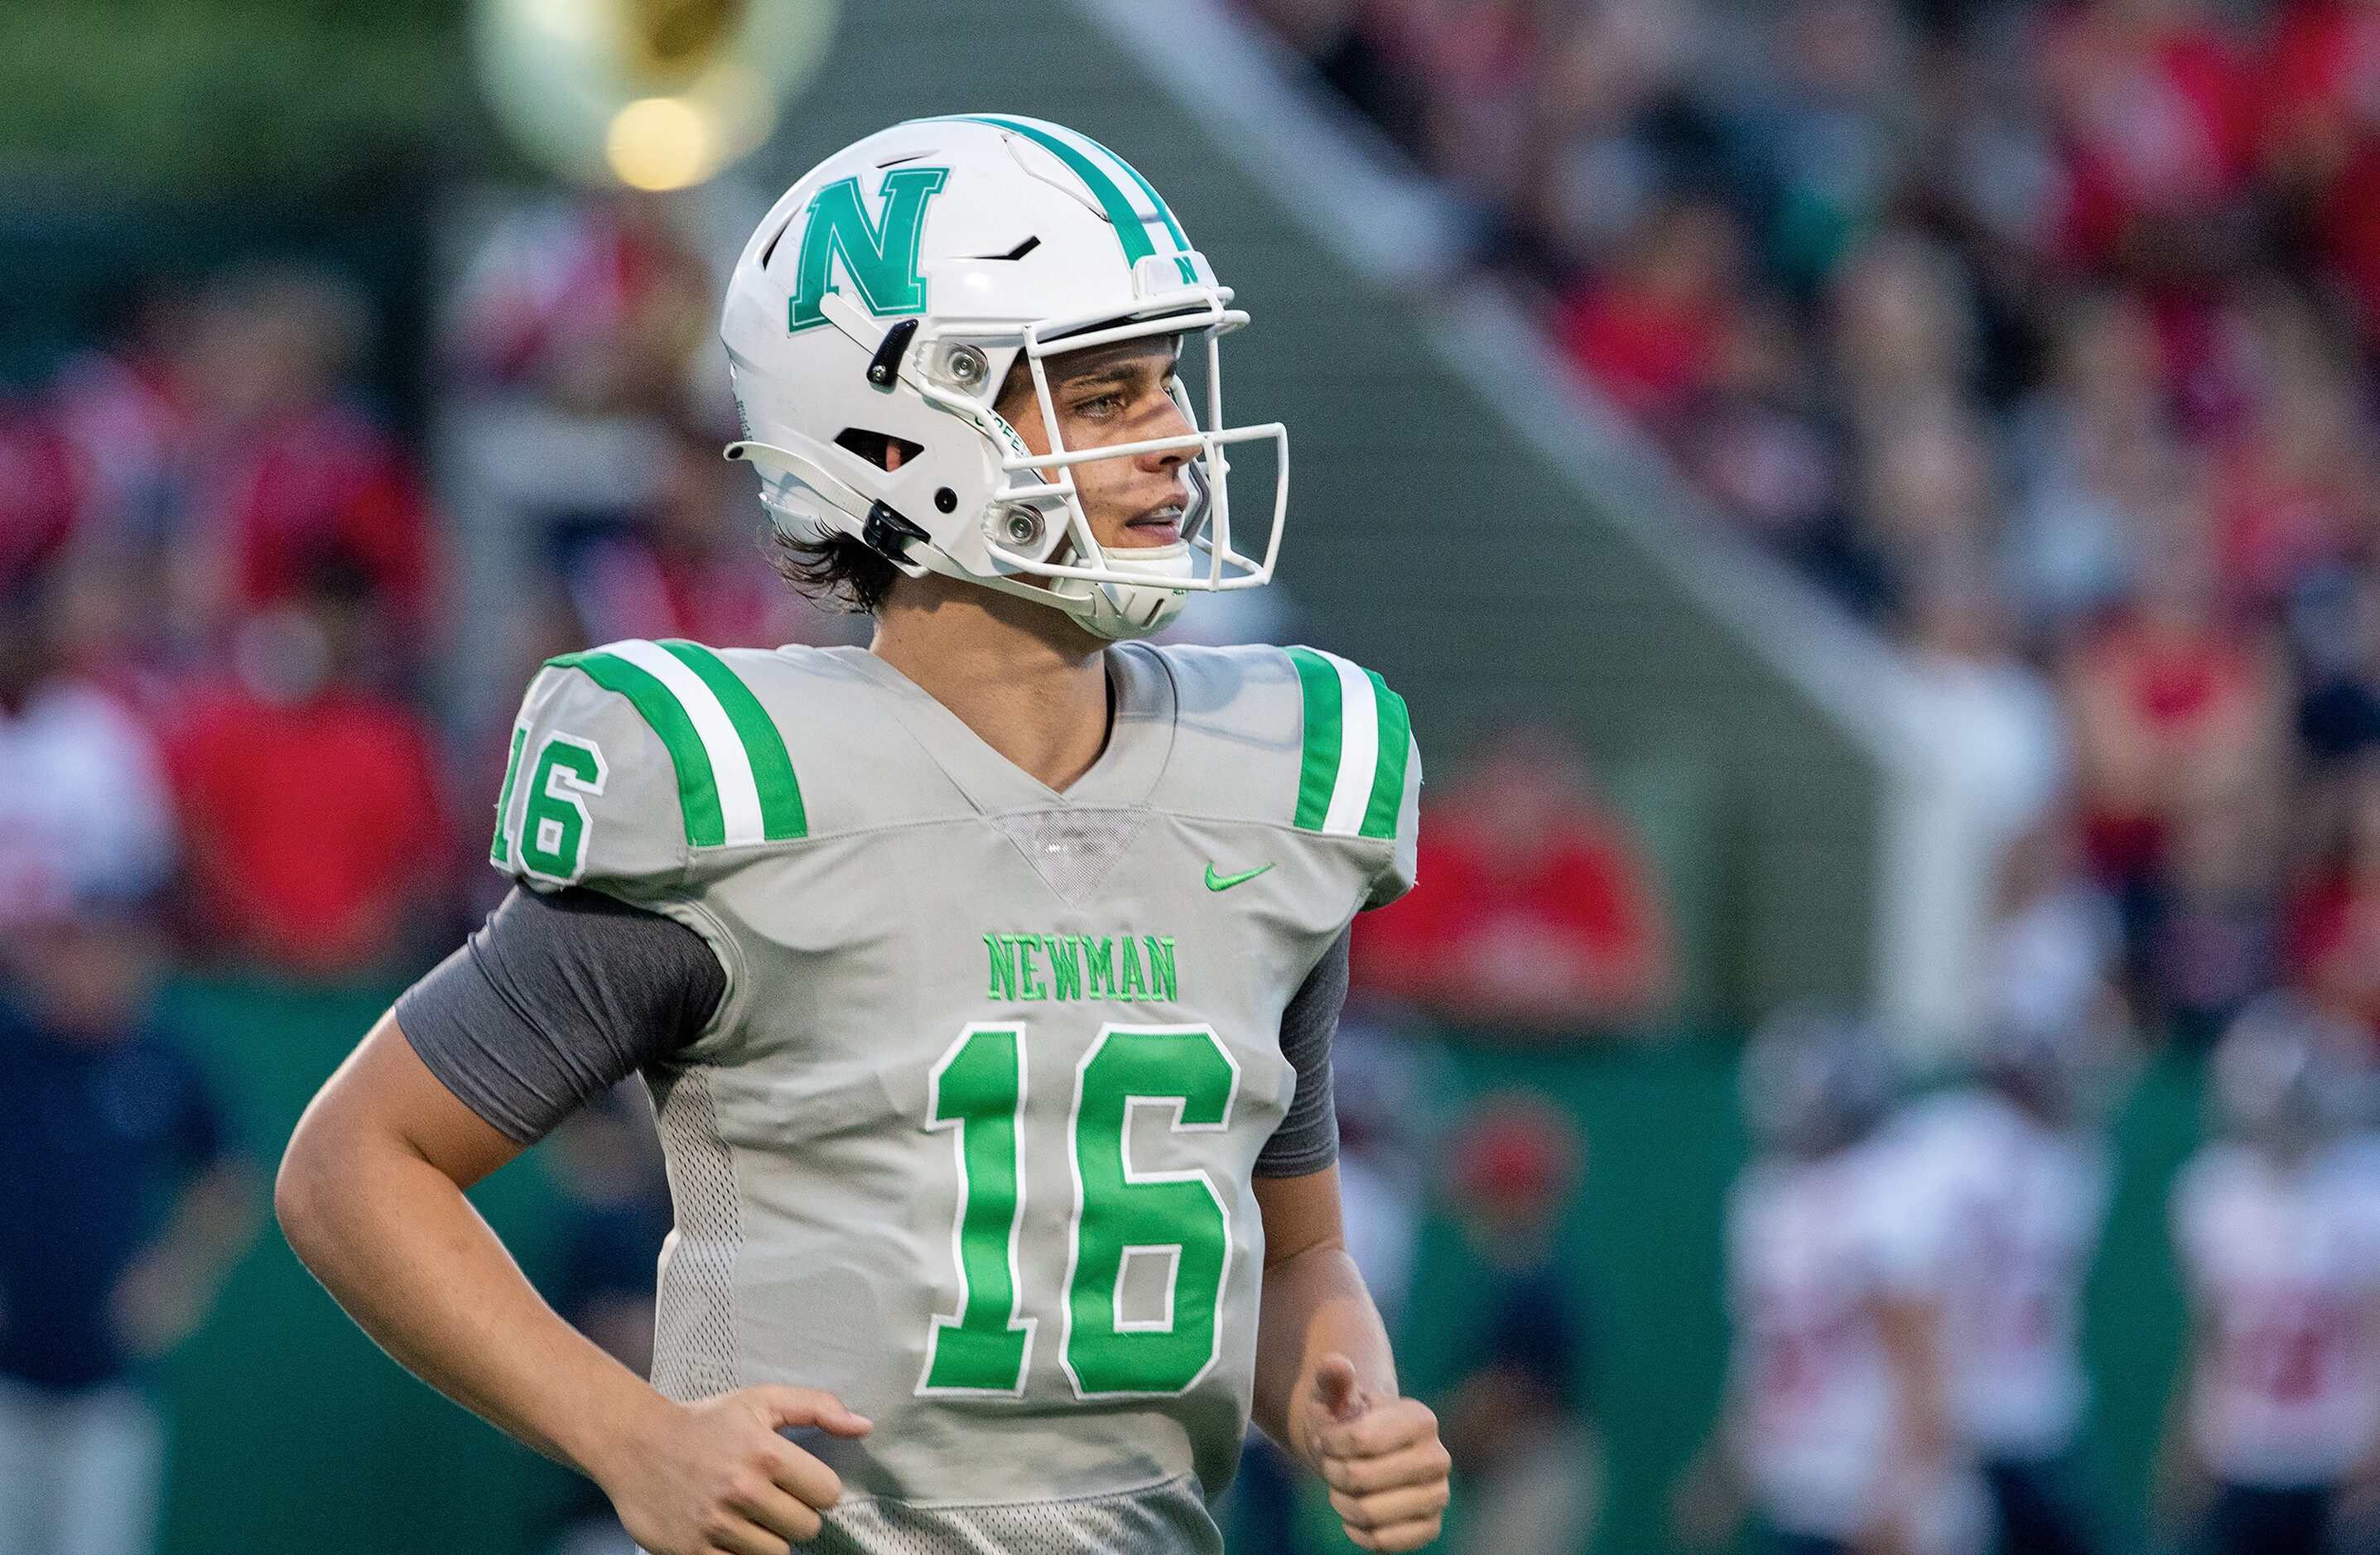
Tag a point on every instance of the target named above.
point(104, 1123)
point(311, 799)
point(85, 810)
point(2296, 489)
point(287, 466)
point(1653, 331)
point(1537, 916)
point(42, 486)
point(2322, 136)
point(1520, 1415)
point(2333, 939)
point(2156, 108)
point(2170, 708)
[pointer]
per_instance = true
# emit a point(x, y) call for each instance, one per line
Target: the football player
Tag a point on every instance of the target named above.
point(2275, 1222)
point(1836, 1423)
point(2020, 1186)
point(983, 979)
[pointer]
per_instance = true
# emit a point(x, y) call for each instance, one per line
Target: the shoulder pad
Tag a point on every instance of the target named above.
point(629, 758)
point(1338, 740)
point(1360, 772)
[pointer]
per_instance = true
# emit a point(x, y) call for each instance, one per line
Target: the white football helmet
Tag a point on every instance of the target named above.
point(887, 296)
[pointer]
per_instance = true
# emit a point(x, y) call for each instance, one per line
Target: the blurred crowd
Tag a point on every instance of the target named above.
point(238, 639)
point(2041, 336)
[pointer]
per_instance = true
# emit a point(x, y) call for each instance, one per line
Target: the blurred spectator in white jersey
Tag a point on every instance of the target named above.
point(2022, 1178)
point(1835, 1425)
point(2277, 1225)
point(84, 808)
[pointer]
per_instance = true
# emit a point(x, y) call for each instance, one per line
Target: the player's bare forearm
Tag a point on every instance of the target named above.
point(1326, 1384)
point(374, 1206)
point(1315, 1305)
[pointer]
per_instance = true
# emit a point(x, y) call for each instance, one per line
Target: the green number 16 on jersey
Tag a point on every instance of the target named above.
point(1122, 1218)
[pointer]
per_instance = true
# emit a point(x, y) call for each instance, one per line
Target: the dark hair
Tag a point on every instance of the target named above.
point(837, 570)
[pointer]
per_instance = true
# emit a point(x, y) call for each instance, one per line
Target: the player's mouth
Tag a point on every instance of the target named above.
point(1161, 524)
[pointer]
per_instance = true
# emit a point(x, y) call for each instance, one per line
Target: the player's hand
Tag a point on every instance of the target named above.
point(1380, 1456)
point(714, 1477)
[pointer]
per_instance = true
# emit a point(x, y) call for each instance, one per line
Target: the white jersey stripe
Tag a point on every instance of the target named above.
point(1359, 749)
point(730, 768)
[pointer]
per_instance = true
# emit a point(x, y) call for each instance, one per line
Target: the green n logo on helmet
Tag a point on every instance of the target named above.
point(880, 258)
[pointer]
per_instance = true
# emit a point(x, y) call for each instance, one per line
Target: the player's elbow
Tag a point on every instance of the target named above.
point(308, 1187)
point(299, 1191)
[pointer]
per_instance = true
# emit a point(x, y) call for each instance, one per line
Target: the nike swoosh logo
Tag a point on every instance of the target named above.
point(1225, 882)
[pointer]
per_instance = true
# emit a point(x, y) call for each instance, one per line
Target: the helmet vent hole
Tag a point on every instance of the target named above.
point(774, 238)
point(881, 449)
point(946, 499)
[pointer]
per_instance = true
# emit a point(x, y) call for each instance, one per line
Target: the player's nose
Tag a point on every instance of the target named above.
point(1165, 420)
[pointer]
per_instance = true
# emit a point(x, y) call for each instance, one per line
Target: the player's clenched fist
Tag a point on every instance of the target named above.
point(1381, 1458)
point(714, 1477)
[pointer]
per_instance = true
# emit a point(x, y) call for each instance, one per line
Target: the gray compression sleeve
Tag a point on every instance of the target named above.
point(555, 998)
point(1307, 1138)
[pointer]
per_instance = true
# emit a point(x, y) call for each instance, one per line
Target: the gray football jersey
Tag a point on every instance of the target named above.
point(968, 1141)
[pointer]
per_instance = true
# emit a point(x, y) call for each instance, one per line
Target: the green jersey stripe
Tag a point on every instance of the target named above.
point(698, 787)
point(1319, 773)
point(499, 851)
point(781, 816)
point(1130, 230)
point(1389, 776)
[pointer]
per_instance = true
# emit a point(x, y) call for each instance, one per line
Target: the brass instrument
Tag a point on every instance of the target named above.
point(652, 95)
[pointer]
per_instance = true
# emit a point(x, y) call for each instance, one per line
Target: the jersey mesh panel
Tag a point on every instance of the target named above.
point(1073, 850)
point(694, 1340)
point(1166, 1519)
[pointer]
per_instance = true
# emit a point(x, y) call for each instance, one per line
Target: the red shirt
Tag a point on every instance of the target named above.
point(1651, 354)
point(1570, 934)
point(312, 828)
point(326, 479)
point(2158, 123)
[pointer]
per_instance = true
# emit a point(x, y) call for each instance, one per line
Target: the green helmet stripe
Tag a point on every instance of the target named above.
point(698, 787)
point(1319, 773)
point(781, 816)
point(1131, 231)
point(1149, 190)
